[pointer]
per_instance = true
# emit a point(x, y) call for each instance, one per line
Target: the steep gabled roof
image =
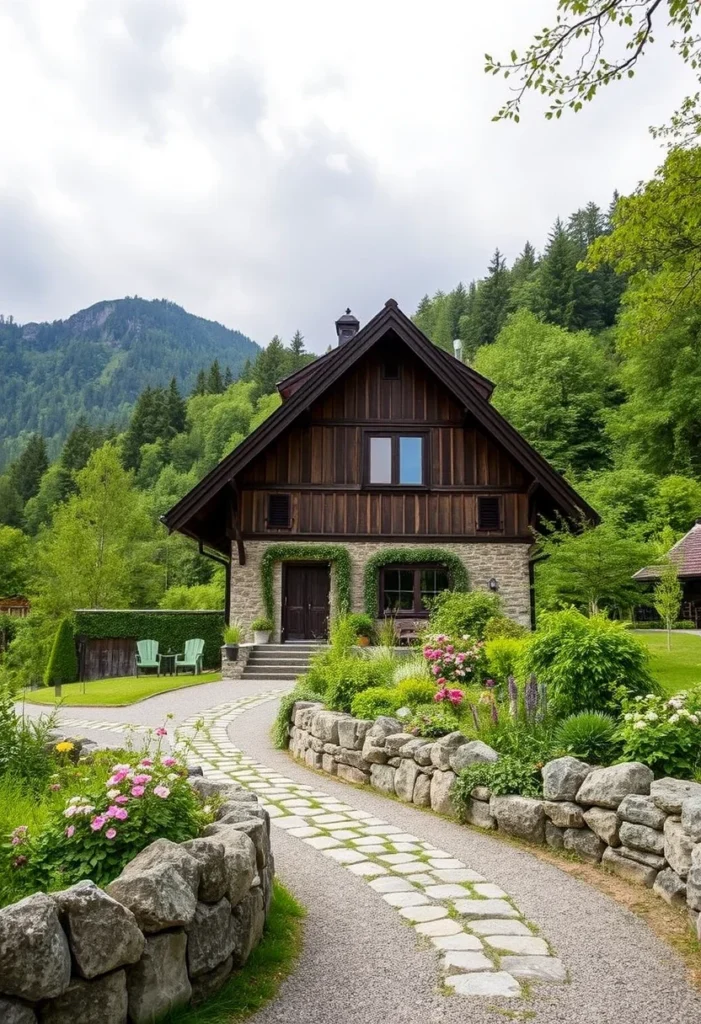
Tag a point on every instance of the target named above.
point(470, 388)
point(686, 555)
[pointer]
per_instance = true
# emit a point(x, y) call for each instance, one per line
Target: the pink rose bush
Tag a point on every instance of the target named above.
point(453, 662)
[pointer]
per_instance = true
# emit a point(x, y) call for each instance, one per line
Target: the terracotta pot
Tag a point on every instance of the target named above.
point(363, 641)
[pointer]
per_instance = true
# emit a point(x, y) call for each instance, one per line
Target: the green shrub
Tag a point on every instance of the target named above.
point(585, 662)
point(510, 774)
point(589, 735)
point(433, 720)
point(503, 657)
point(63, 663)
point(362, 624)
point(233, 633)
point(411, 667)
point(413, 692)
point(23, 745)
point(376, 700)
point(384, 664)
point(343, 634)
point(349, 676)
point(456, 614)
point(387, 632)
point(500, 626)
point(280, 729)
point(262, 624)
point(663, 732)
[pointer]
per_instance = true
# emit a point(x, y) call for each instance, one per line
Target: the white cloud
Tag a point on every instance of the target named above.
point(268, 166)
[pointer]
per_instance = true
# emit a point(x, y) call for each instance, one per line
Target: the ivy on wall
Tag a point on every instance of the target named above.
point(170, 628)
point(459, 578)
point(336, 554)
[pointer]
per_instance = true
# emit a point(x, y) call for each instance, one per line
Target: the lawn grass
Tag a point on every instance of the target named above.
point(679, 668)
point(116, 692)
point(18, 806)
point(258, 982)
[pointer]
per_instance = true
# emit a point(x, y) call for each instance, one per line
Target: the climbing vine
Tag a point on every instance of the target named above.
point(336, 554)
point(459, 578)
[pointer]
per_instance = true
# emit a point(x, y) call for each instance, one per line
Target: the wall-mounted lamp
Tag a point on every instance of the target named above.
point(493, 584)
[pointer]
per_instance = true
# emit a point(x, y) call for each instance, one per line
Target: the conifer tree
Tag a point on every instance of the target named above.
point(492, 301)
point(555, 295)
point(200, 387)
point(27, 471)
point(80, 443)
point(228, 377)
point(63, 663)
point(297, 351)
point(175, 410)
point(215, 383)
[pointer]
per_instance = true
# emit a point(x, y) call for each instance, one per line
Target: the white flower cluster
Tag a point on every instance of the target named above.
point(673, 711)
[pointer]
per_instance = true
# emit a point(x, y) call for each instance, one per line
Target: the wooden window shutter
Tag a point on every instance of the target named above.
point(488, 513)
point(278, 511)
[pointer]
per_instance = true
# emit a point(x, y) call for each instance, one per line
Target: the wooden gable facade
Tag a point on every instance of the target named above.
point(321, 463)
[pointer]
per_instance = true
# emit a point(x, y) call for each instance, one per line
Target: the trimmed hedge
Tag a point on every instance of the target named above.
point(63, 663)
point(336, 554)
point(170, 628)
point(459, 578)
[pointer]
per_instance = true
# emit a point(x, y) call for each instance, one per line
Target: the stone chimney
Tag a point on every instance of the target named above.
point(347, 326)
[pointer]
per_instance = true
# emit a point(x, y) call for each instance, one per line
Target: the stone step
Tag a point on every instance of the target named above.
point(272, 660)
point(268, 674)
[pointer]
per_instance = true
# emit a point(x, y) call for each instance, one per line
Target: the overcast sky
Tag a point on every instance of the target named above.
point(267, 164)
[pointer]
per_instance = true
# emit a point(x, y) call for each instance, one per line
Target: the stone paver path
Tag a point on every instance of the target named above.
point(486, 946)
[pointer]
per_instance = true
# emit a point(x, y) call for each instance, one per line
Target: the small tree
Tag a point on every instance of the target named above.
point(668, 598)
point(63, 663)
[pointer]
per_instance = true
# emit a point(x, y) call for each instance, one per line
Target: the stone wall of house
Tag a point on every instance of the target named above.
point(642, 829)
point(507, 563)
point(167, 932)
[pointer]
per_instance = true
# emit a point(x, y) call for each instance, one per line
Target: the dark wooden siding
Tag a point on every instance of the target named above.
point(320, 463)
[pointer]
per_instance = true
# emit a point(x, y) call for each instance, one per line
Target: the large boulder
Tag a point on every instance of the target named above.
point(374, 753)
point(395, 742)
point(475, 752)
point(102, 934)
point(607, 787)
point(584, 843)
point(249, 919)
point(213, 872)
point(14, 1012)
point(383, 727)
point(382, 778)
point(563, 777)
point(163, 851)
point(413, 746)
point(477, 813)
point(691, 818)
point(444, 748)
point(564, 813)
point(650, 860)
point(554, 836)
point(101, 1001)
point(35, 961)
point(441, 800)
point(519, 816)
point(210, 938)
point(693, 880)
point(631, 870)
point(678, 847)
point(350, 774)
point(254, 828)
point(158, 897)
point(670, 794)
point(325, 725)
point(642, 810)
point(240, 861)
point(405, 779)
point(604, 824)
point(423, 753)
point(207, 985)
point(640, 837)
point(159, 982)
point(208, 788)
point(352, 732)
point(422, 791)
point(670, 887)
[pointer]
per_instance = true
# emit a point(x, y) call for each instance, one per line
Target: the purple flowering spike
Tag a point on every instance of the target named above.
point(542, 701)
point(513, 697)
point(531, 697)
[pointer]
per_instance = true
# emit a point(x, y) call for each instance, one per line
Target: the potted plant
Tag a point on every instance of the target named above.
point(262, 628)
point(232, 638)
point(364, 628)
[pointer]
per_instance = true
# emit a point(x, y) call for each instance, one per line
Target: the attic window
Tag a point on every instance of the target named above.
point(390, 369)
point(488, 514)
point(278, 511)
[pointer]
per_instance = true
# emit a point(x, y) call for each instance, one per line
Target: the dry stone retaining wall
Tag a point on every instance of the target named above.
point(644, 830)
point(167, 932)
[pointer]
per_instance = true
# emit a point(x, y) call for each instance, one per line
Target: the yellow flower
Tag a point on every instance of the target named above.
point(64, 747)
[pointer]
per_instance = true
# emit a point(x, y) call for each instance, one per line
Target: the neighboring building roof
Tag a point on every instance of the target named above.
point(470, 388)
point(686, 554)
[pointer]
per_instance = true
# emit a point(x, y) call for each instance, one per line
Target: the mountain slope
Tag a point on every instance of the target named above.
point(97, 361)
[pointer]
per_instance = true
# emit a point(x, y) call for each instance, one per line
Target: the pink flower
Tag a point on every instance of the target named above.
point(146, 763)
point(54, 787)
point(111, 833)
point(169, 761)
point(70, 811)
point(121, 799)
point(137, 790)
point(118, 777)
point(97, 823)
point(120, 814)
point(161, 731)
point(141, 780)
point(69, 831)
point(162, 791)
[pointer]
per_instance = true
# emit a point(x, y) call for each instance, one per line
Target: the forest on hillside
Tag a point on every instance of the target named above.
point(95, 364)
point(592, 341)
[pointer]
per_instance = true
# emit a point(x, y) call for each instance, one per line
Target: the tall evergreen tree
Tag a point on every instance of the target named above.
point(270, 366)
point(297, 351)
point(492, 301)
point(555, 295)
point(228, 377)
point(200, 387)
point(215, 382)
point(27, 471)
point(175, 410)
point(80, 443)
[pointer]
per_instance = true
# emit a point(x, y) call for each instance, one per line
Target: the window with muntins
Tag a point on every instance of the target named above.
point(396, 460)
point(408, 590)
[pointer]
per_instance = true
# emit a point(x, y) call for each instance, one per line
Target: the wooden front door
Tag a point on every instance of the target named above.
point(305, 602)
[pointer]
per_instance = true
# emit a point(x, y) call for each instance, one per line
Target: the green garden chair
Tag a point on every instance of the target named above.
point(147, 655)
point(192, 658)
